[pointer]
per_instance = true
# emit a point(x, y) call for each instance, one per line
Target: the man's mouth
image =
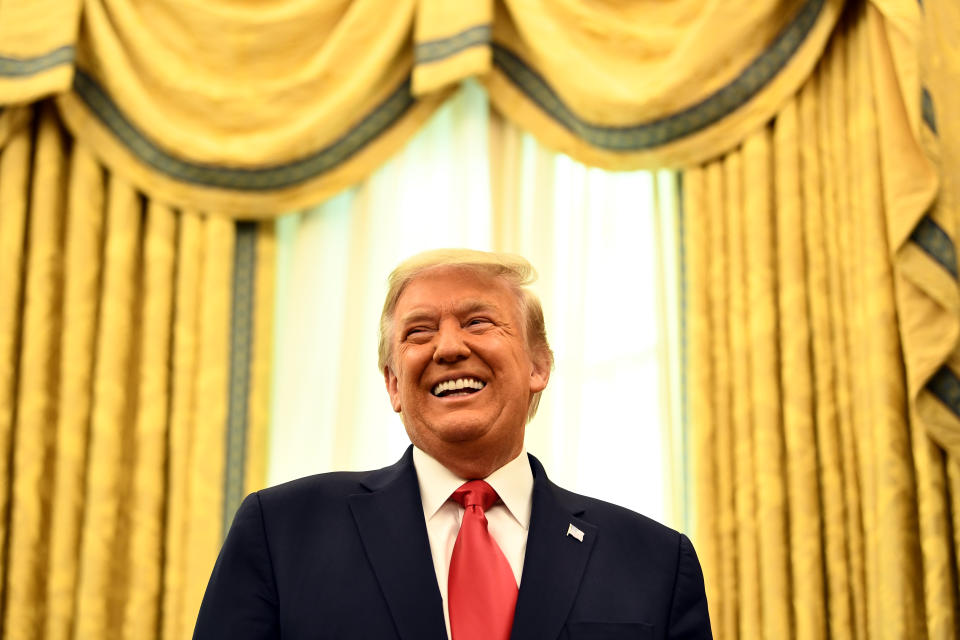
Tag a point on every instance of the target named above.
point(458, 387)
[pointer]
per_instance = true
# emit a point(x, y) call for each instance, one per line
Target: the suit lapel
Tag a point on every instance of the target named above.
point(394, 535)
point(554, 562)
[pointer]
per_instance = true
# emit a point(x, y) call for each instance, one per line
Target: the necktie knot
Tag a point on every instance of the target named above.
point(475, 493)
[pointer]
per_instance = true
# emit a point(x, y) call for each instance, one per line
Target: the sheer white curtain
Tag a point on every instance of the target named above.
point(607, 269)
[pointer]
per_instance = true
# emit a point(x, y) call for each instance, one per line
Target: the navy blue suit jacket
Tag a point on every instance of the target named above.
point(346, 555)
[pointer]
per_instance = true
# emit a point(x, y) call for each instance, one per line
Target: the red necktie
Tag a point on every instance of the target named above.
point(481, 589)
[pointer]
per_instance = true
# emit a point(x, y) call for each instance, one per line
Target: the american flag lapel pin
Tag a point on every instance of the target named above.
point(573, 532)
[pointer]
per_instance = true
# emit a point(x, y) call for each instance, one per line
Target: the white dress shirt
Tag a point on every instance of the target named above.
point(508, 522)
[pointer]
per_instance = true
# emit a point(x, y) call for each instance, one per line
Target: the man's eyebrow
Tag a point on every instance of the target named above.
point(417, 315)
point(463, 308)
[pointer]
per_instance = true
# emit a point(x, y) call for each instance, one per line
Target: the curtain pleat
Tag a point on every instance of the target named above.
point(721, 356)
point(706, 441)
point(206, 462)
point(795, 315)
point(861, 179)
point(84, 262)
point(36, 413)
point(765, 397)
point(805, 566)
point(255, 472)
point(14, 196)
point(103, 582)
point(14, 119)
point(827, 438)
point(939, 555)
point(144, 561)
point(183, 402)
point(899, 572)
point(953, 476)
point(836, 213)
point(747, 577)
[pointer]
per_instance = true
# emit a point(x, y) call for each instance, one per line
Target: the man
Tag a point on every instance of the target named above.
point(440, 541)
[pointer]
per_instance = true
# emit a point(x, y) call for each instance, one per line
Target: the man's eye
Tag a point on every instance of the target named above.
point(473, 322)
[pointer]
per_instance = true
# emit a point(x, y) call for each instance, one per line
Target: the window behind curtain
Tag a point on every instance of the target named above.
point(605, 246)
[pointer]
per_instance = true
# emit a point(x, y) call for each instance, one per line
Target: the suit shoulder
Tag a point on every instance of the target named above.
point(614, 517)
point(607, 515)
point(326, 495)
point(313, 491)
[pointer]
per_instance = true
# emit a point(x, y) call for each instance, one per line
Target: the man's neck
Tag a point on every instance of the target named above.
point(472, 465)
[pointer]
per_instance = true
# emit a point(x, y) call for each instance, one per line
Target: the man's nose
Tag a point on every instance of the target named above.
point(450, 345)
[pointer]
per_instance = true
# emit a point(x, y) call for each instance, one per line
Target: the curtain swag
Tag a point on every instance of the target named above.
point(292, 102)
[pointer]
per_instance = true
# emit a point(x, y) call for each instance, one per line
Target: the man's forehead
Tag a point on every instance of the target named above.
point(456, 289)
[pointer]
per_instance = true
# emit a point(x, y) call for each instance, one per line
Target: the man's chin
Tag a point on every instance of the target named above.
point(460, 431)
point(461, 428)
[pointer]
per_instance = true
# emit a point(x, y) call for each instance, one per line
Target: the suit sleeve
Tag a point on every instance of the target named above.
point(689, 618)
point(240, 602)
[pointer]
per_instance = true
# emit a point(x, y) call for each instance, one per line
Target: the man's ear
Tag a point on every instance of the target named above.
point(390, 380)
point(540, 374)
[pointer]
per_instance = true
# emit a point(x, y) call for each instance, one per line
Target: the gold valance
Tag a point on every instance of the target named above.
point(37, 48)
point(256, 110)
point(247, 109)
point(649, 84)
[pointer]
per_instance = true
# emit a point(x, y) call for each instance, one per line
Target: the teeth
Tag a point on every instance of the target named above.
point(459, 383)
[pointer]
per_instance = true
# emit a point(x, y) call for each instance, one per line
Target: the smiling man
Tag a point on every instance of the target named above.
point(465, 536)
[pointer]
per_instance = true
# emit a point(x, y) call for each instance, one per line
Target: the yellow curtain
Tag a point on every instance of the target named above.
point(123, 324)
point(826, 507)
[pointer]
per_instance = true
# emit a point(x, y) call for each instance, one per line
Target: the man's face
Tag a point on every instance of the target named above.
point(461, 375)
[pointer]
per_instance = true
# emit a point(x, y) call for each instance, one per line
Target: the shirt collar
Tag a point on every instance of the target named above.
point(513, 482)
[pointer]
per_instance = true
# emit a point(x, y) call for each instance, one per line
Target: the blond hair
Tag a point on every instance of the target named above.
point(515, 270)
